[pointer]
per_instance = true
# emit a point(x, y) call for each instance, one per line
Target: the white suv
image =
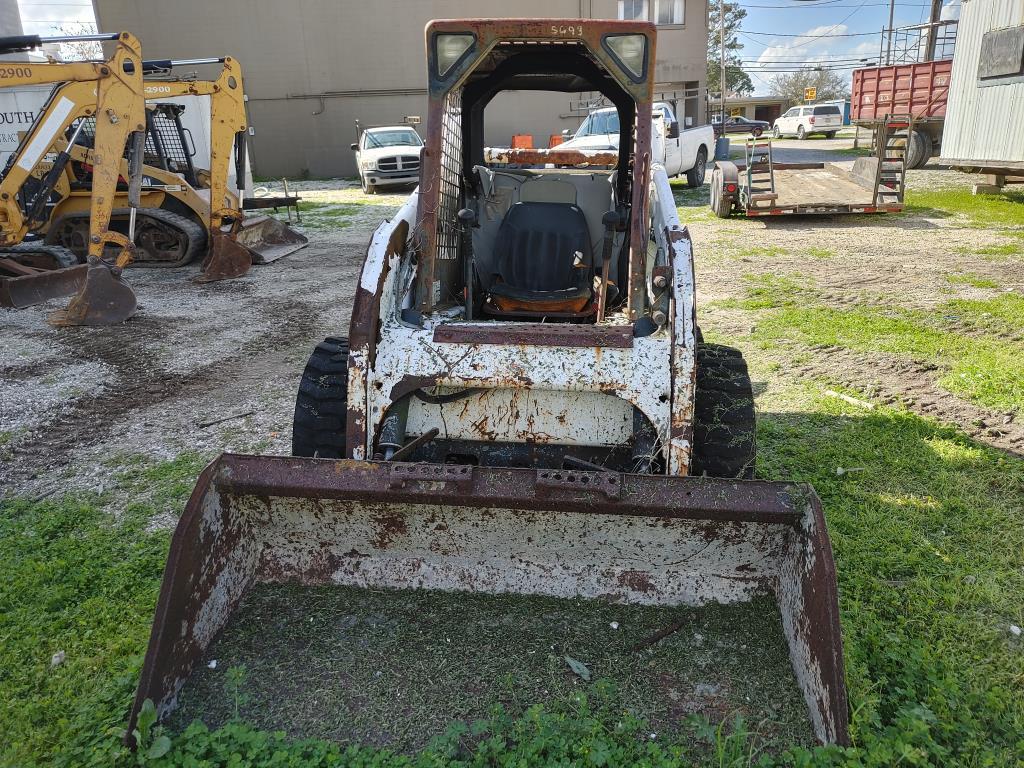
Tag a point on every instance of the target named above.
point(804, 120)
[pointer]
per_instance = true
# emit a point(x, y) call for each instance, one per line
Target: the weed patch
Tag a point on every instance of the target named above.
point(975, 281)
point(766, 291)
point(1005, 210)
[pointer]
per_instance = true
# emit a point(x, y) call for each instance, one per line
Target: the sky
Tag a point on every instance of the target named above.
point(776, 34)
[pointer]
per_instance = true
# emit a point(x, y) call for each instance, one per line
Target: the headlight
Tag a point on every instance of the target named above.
point(368, 165)
point(630, 51)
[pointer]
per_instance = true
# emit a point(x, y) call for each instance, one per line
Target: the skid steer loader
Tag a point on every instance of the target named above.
point(111, 92)
point(522, 405)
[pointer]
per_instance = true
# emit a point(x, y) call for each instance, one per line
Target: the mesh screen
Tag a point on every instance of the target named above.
point(163, 134)
point(448, 235)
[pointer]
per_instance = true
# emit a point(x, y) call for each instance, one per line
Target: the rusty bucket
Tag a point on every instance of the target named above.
point(624, 538)
point(105, 298)
point(226, 259)
point(22, 286)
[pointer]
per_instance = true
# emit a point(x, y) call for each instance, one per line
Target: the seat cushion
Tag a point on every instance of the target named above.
point(543, 252)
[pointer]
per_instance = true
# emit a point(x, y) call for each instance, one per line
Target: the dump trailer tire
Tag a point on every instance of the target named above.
point(321, 405)
point(919, 149)
point(723, 421)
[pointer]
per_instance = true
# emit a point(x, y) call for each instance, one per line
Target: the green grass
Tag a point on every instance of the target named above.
point(930, 557)
point(821, 253)
point(1004, 210)
point(968, 278)
point(766, 291)
point(855, 151)
point(979, 369)
point(1003, 313)
point(330, 215)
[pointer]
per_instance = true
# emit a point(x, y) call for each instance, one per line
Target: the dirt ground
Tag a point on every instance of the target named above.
point(75, 403)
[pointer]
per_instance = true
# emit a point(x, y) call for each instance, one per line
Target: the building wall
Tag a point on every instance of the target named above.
point(313, 67)
point(10, 18)
point(983, 122)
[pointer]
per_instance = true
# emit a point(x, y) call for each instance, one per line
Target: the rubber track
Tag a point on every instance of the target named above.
point(196, 233)
point(321, 405)
point(60, 254)
point(723, 422)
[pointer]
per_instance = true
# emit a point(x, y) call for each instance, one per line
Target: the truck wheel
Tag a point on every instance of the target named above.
point(321, 406)
point(919, 149)
point(801, 133)
point(368, 189)
point(721, 203)
point(723, 420)
point(695, 176)
point(830, 134)
point(776, 133)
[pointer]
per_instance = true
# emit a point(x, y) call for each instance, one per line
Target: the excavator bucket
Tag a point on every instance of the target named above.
point(22, 286)
point(593, 538)
point(104, 298)
point(227, 259)
point(269, 239)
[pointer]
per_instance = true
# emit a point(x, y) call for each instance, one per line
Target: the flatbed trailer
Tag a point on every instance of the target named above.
point(761, 187)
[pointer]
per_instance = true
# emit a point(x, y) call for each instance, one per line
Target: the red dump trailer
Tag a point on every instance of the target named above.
point(918, 91)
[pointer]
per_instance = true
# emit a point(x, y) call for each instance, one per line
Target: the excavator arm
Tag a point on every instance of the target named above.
point(112, 92)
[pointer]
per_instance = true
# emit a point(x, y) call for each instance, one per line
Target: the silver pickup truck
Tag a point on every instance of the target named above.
point(680, 152)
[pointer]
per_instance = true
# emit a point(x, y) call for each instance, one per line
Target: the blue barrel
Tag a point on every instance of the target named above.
point(722, 148)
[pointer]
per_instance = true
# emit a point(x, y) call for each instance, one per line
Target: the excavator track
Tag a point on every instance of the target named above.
point(31, 273)
point(162, 238)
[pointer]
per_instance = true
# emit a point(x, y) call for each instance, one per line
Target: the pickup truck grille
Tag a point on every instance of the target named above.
point(400, 163)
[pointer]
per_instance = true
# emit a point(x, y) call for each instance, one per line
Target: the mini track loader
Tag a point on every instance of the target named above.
point(523, 404)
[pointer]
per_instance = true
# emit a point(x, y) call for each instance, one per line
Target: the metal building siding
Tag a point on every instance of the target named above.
point(983, 124)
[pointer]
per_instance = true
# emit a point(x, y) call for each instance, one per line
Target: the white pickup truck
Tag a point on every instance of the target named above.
point(681, 152)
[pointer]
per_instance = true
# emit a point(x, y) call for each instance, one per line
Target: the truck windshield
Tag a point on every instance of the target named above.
point(396, 138)
point(599, 123)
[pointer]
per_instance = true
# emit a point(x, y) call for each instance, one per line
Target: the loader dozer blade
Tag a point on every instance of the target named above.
point(227, 259)
point(104, 298)
point(20, 292)
point(619, 538)
point(269, 239)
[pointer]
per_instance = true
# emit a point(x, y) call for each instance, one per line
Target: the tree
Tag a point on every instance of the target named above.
point(78, 51)
point(829, 84)
point(736, 80)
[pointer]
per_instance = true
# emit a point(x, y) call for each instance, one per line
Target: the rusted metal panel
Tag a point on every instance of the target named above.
point(608, 536)
point(577, 157)
point(536, 334)
point(675, 239)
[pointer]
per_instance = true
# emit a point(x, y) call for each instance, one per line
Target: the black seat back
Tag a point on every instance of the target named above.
point(536, 253)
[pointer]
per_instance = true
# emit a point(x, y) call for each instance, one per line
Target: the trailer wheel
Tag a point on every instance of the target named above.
point(721, 203)
point(321, 406)
point(723, 420)
point(695, 176)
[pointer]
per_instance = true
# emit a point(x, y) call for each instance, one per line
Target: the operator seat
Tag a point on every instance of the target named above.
point(542, 260)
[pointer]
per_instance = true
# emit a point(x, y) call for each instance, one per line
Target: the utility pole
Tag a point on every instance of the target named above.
point(888, 37)
point(933, 30)
point(721, 21)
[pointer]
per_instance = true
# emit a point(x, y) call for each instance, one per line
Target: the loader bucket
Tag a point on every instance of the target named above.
point(269, 239)
point(24, 290)
point(104, 298)
point(614, 538)
point(227, 259)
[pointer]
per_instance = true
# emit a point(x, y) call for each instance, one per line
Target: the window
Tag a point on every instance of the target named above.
point(668, 11)
point(600, 123)
point(833, 110)
point(633, 10)
point(791, 112)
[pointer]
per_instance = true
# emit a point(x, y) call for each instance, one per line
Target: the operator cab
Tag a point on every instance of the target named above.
point(541, 235)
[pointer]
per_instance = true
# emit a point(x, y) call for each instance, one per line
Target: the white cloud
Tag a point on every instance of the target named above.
point(818, 45)
point(950, 11)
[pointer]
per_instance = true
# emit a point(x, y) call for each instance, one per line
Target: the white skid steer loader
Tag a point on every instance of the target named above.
point(523, 404)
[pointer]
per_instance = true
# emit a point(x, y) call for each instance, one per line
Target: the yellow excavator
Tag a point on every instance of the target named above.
point(184, 210)
point(110, 91)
